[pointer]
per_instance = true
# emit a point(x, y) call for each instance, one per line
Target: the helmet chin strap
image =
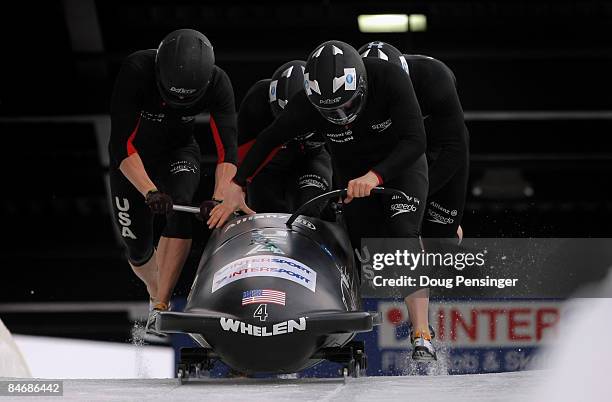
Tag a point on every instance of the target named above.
point(348, 120)
point(343, 118)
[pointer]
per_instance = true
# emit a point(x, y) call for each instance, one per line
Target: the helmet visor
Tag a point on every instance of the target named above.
point(345, 113)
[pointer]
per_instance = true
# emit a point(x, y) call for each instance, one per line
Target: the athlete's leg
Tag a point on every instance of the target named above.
point(148, 273)
point(445, 208)
point(314, 179)
point(441, 228)
point(418, 309)
point(404, 219)
point(172, 253)
point(443, 214)
point(134, 223)
point(181, 182)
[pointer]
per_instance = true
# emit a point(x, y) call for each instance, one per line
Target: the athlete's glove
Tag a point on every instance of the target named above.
point(205, 208)
point(160, 203)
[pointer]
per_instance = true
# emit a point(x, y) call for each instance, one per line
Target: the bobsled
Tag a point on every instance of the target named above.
point(274, 293)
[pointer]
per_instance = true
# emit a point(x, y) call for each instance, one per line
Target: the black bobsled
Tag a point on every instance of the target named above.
point(274, 293)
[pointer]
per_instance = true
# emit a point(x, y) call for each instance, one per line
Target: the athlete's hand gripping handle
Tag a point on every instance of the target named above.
point(160, 203)
point(361, 186)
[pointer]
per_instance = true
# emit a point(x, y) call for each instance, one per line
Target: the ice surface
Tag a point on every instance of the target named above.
point(460, 388)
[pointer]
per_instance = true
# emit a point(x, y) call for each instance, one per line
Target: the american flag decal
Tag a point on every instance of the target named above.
point(263, 296)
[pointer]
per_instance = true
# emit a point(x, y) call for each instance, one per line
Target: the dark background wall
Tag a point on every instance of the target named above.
point(533, 173)
point(507, 54)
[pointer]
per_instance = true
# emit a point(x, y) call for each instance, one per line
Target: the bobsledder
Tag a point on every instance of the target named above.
point(274, 293)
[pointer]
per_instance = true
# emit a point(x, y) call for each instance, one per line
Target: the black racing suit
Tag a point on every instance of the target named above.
point(299, 170)
point(447, 145)
point(387, 138)
point(142, 123)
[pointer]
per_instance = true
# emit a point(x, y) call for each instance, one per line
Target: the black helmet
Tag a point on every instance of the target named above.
point(335, 81)
point(384, 51)
point(183, 67)
point(286, 81)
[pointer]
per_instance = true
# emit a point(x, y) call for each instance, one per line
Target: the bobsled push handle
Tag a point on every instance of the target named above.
point(186, 208)
point(339, 193)
point(206, 205)
point(319, 198)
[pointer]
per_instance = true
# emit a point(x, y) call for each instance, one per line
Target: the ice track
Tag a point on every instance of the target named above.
point(516, 386)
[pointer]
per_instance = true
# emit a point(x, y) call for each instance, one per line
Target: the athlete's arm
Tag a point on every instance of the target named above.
point(446, 130)
point(407, 125)
point(126, 104)
point(223, 127)
point(134, 170)
point(254, 115)
point(223, 174)
point(295, 118)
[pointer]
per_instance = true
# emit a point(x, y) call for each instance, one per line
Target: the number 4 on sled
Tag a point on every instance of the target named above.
point(261, 312)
